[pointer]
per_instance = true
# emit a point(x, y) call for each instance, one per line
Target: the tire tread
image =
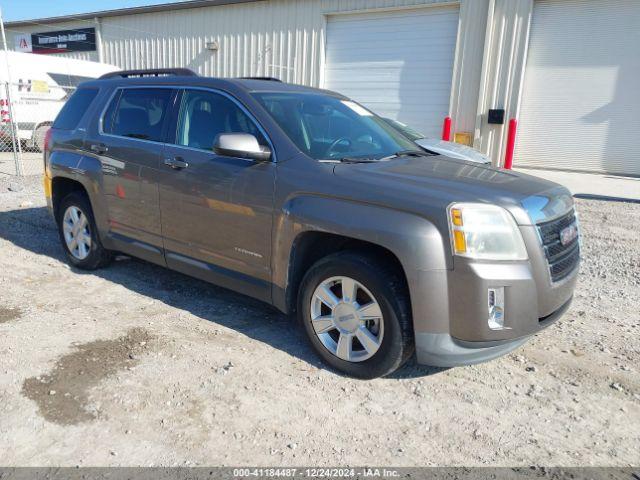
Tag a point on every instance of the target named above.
point(398, 297)
point(100, 257)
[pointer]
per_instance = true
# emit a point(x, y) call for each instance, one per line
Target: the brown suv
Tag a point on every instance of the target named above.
point(306, 200)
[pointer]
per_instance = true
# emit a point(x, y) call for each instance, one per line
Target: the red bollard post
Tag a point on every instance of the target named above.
point(446, 129)
point(511, 144)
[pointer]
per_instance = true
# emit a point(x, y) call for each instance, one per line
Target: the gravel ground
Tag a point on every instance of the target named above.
point(136, 365)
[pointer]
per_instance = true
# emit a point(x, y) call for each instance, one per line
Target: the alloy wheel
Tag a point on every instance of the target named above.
point(77, 235)
point(347, 319)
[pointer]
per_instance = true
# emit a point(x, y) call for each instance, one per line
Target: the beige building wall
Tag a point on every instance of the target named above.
point(286, 39)
point(504, 60)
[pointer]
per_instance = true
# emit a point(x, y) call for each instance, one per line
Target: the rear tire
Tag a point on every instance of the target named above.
point(79, 234)
point(368, 331)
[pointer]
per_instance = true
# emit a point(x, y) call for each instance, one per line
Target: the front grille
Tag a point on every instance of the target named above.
point(562, 259)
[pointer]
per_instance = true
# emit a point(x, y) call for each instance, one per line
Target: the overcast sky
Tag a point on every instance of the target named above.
point(31, 9)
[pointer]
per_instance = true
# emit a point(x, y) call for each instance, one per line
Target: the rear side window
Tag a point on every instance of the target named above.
point(72, 112)
point(138, 113)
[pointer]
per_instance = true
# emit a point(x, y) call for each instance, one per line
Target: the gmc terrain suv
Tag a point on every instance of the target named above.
point(308, 201)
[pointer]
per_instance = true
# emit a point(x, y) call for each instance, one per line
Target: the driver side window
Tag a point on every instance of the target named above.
point(205, 115)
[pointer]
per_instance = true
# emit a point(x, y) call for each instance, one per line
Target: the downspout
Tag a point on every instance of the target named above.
point(525, 56)
point(99, 39)
point(477, 136)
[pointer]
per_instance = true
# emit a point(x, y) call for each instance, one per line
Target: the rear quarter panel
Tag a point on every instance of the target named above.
point(87, 171)
point(69, 158)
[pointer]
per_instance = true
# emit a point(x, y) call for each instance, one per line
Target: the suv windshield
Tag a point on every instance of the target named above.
point(330, 128)
point(405, 129)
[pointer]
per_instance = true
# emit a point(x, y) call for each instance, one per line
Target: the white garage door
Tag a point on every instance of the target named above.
point(581, 100)
point(398, 64)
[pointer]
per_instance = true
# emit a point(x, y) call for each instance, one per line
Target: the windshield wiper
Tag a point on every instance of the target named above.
point(356, 160)
point(408, 153)
point(402, 153)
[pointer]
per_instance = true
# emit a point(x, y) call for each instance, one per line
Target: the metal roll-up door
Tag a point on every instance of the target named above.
point(580, 107)
point(399, 64)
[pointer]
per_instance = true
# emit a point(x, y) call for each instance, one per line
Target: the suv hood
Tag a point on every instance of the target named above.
point(430, 184)
point(453, 150)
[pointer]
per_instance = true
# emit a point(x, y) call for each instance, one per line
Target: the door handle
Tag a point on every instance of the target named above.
point(99, 148)
point(176, 163)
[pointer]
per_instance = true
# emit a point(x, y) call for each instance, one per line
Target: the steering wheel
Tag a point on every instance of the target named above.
point(336, 143)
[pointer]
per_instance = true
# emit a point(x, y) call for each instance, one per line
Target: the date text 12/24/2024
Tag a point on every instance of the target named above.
point(315, 473)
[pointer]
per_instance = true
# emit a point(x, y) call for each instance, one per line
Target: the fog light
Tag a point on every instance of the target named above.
point(495, 304)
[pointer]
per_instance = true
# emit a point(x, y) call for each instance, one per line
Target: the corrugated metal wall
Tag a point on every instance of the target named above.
point(468, 65)
point(282, 38)
point(505, 49)
point(581, 102)
point(286, 39)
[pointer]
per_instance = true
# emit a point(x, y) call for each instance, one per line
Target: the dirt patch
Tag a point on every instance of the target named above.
point(63, 395)
point(231, 382)
point(9, 314)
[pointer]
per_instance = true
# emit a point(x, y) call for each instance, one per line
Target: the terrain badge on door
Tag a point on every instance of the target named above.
point(247, 252)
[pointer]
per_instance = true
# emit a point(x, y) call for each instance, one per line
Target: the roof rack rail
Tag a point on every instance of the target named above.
point(157, 72)
point(266, 79)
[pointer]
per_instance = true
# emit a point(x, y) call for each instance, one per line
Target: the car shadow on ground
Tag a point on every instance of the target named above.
point(33, 229)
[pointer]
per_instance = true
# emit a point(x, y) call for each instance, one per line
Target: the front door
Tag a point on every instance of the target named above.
point(130, 146)
point(216, 210)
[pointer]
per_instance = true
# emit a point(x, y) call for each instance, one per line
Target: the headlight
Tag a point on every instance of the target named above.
point(485, 232)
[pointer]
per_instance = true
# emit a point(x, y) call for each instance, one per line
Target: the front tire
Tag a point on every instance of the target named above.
point(356, 313)
point(79, 234)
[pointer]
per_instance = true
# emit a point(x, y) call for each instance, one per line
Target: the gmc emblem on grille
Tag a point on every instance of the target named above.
point(568, 234)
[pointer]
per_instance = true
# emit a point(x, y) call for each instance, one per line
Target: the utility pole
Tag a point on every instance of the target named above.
point(15, 141)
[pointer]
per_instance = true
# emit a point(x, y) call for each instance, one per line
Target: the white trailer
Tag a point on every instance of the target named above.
point(34, 89)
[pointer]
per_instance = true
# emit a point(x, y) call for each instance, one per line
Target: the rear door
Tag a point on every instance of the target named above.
point(129, 143)
point(217, 210)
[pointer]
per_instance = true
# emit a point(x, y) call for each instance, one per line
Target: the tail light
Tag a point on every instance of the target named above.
point(45, 155)
point(47, 140)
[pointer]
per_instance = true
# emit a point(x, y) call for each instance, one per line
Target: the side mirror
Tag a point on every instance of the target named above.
point(241, 145)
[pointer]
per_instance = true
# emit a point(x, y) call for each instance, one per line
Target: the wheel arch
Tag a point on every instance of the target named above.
point(312, 245)
point(310, 227)
point(73, 170)
point(60, 188)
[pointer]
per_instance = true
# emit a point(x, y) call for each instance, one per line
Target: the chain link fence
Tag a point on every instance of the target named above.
point(27, 111)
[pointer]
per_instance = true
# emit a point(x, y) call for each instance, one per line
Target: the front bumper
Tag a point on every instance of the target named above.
point(451, 314)
point(443, 350)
